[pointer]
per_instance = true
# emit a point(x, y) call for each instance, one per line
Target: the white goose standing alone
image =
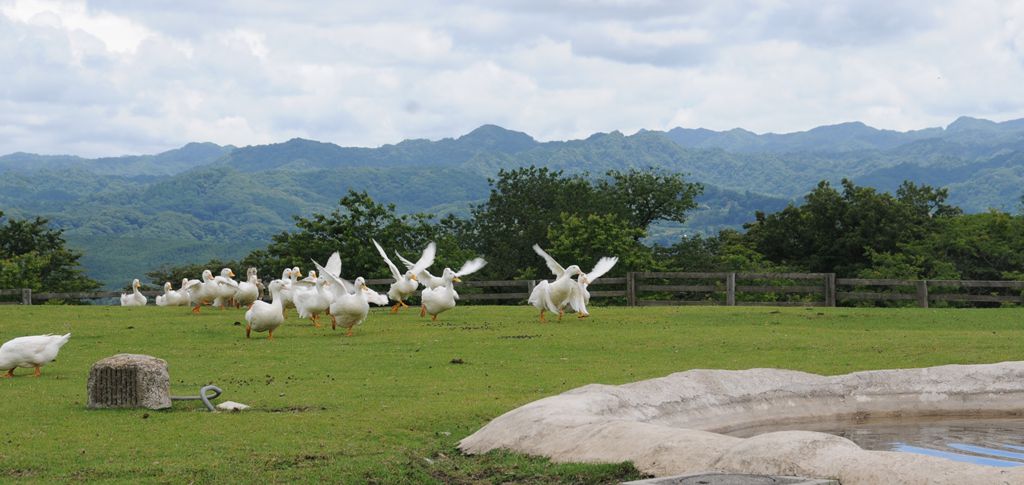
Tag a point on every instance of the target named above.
point(35, 351)
point(263, 316)
point(442, 298)
point(135, 298)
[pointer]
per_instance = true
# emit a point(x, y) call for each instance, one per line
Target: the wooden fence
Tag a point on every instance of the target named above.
point(691, 288)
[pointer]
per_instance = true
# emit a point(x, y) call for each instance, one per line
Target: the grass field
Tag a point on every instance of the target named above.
point(389, 405)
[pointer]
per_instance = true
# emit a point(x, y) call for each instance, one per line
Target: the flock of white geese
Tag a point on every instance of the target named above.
point(324, 291)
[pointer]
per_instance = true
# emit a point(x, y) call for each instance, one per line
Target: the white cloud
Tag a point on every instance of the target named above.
point(116, 76)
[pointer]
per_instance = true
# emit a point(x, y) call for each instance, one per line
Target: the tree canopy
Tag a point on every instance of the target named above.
point(33, 255)
point(850, 230)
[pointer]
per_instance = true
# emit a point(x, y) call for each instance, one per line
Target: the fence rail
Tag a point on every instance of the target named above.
point(644, 288)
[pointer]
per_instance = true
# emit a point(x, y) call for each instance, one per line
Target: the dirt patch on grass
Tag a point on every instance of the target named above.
point(460, 326)
point(519, 337)
point(22, 472)
point(297, 409)
point(298, 461)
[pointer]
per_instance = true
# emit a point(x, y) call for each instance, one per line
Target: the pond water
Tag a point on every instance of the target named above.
point(992, 442)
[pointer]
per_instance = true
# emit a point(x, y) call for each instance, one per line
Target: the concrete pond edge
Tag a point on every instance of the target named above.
point(672, 425)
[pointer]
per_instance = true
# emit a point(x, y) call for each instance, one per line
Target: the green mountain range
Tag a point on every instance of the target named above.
point(133, 213)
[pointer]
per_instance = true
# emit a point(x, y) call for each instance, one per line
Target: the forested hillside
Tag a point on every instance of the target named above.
point(132, 213)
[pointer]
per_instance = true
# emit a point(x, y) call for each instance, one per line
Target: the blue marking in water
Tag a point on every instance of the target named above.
point(978, 460)
point(981, 450)
point(1012, 447)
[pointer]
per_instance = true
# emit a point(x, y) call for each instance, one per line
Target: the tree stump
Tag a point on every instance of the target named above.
point(129, 381)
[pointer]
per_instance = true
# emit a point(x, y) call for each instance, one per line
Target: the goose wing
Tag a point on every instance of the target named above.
point(603, 266)
point(397, 275)
point(553, 265)
point(341, 282)
point(471, 266)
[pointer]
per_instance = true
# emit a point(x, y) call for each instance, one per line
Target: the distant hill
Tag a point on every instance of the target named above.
point(167, 163)
point(132, 213)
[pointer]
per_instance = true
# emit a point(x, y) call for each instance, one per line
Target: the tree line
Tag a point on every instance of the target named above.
point(851, 230)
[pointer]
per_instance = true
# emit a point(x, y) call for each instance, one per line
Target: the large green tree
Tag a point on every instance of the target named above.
point(34, 255)
point(837, 231)
point(536, 205)
point(348, 230)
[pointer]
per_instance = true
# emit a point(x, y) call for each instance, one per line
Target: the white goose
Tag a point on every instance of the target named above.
point(350, 305)
point(289, 276)
point(263, 316)
point(555, 295)
point(161, 300)
point(135, 298)
point(312, 298)
point(174, 297)
point(406, 284)
point(425, 278)
point(225, 289)
point(202, 291)
point(249, 290)
point(582, 296)
point(442, 298)
point(35, 351)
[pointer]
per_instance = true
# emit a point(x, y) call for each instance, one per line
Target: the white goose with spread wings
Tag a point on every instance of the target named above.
point(351, 304)
point(406, 284)
point(581, 298)
point(442, 298)
point(553, 296)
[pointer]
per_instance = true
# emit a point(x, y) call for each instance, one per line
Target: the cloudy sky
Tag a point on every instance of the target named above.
point(123, 76)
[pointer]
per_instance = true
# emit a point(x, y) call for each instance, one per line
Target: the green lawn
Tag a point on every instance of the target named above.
point(388, 405)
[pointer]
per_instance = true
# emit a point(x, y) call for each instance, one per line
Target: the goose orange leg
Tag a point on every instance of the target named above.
point(37, 373)
point(542, 319)
point(560, 313)
point(10, 373)
point(423, 311)
point(349, 334)
point(270, 334)
point(334, 323)
point(395, 307)
point(248, 330)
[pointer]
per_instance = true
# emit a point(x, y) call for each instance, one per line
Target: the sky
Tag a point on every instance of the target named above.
point(116, 77)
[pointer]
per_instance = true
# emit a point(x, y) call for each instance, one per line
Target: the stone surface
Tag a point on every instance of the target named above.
point(232, 406)
point(129, 381)
point(731, 479)
point(671, 425)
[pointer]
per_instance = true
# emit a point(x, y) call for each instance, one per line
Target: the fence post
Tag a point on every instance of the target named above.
point(26, 296)
point(631, 288)
point(830, 289)
point(922, 293)
point(730, 289)
point(530, 285)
